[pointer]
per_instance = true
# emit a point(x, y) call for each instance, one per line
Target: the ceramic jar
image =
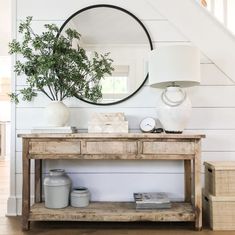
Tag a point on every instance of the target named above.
point(80, 197)
point(56, 114)
point(174, 110)
point(56, 189)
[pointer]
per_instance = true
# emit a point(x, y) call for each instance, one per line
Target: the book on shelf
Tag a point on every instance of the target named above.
point(52, 130)
point(155, 200)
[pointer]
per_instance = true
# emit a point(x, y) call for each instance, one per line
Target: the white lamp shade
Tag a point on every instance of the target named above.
point(176, 63)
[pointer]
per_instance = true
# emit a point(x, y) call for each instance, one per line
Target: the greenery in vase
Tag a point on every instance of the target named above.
point(53, 66)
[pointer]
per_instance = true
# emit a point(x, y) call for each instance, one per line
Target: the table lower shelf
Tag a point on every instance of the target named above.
point(112, 211)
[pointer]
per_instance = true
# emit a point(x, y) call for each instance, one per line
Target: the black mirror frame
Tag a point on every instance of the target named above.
point(141, 24)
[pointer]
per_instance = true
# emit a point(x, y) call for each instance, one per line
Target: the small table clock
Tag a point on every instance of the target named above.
point(147, 125)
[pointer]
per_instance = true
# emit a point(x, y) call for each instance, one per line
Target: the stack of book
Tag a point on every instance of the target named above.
point(158, 200)
point(52, 130)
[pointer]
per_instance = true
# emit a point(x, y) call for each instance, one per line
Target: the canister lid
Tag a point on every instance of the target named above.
point(56, 178)
point(80, 190)
point(57, 172)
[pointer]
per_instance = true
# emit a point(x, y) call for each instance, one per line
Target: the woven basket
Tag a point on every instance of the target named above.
point(220, 178)
point(219, 211)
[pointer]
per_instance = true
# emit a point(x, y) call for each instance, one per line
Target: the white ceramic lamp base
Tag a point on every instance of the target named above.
point(174, 118)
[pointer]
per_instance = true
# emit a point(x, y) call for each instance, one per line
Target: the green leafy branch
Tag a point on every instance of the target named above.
point(55, 67)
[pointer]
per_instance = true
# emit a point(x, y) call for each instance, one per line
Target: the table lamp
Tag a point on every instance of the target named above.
point(171, 68)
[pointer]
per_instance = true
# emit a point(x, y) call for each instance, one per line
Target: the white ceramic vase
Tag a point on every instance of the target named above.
point(173, 117)
point(56, 114)
point(79, 197)
point(57, 188)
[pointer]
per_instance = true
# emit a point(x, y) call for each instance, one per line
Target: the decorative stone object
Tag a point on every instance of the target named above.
point(57, 188)
point(80, 197)
point(108, 123)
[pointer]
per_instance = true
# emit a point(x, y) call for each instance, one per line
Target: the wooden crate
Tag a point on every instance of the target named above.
point(219, 211)
point(220, 178)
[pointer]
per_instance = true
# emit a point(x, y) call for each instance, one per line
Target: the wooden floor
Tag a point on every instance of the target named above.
point(12, 225)
point(4, 186)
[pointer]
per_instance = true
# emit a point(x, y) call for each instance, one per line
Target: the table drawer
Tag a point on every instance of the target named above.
point(55, 147)
point(164, 147)
point(109, 147)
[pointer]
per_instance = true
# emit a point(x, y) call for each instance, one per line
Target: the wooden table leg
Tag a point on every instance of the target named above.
point(197, 186)
point(26, 186)
point(187, 180)
point(38, 180)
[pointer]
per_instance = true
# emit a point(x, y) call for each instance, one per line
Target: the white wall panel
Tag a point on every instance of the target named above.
point(159, 30)
point(61, 10)
point(210, 76)
point(200, 96)
point(217, 156)
point(163, 31)
point(202, 118)
point(138, 100)
point(19, 185)
point(103, 188)
point(204, 59)
point(79, 116)
point(219, 140)
point(212, 118)
point(212, 96)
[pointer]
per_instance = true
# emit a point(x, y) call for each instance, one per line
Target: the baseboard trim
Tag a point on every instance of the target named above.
point(14, 205)
point(11, 206)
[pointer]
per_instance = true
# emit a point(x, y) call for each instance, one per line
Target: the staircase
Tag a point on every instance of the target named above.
point(224, 11)
point(202, 29)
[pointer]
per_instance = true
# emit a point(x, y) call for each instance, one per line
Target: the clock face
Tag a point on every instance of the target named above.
point(147, 124)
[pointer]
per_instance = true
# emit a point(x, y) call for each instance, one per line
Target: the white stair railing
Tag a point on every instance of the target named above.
point(223, 10)
point(202, 29)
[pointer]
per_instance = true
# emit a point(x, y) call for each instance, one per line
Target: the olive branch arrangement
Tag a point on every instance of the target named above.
point(55, 67)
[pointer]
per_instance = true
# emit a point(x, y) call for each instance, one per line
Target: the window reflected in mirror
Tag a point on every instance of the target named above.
point(110, 29)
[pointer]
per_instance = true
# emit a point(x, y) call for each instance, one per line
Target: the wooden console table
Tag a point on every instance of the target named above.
point(131, 146)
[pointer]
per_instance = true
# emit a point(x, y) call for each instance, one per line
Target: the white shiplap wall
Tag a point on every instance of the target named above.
point(213, 114)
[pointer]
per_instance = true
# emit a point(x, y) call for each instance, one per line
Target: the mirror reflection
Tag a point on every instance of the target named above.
point(109, 29)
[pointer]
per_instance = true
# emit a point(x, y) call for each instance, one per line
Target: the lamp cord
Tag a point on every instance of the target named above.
point(170, 102)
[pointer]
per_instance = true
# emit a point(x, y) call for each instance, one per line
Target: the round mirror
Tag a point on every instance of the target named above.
point(111, 29)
